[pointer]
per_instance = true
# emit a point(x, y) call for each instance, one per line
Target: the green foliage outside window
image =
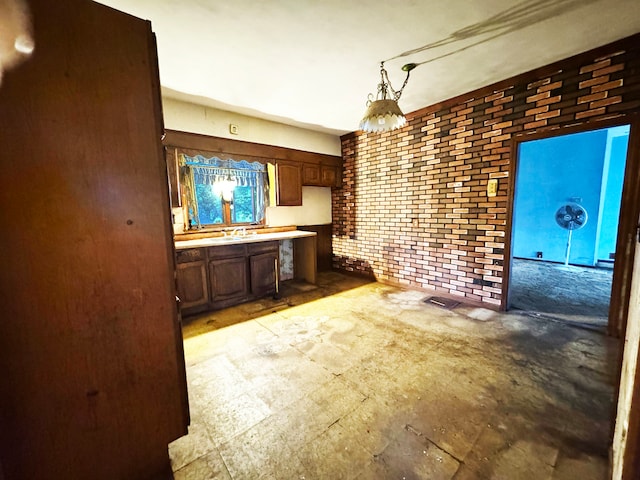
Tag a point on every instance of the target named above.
point(205, 179)
point(243, 207)
point(209, 205)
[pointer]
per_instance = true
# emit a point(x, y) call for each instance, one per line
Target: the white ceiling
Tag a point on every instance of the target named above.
point(312, 63)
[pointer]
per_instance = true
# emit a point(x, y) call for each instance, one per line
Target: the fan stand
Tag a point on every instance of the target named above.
point(566, 258)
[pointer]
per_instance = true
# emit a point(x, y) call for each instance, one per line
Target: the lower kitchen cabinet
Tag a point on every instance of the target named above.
point(228, 281)
point(217, 277)
point(191, 280)
point(192, 284)
point(263, 273)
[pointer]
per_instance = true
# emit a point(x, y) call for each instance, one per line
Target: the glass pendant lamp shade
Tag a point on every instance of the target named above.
point(383, 112)
point(382, 115)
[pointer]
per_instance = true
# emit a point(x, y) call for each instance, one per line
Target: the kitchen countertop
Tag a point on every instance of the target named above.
point(248, 238)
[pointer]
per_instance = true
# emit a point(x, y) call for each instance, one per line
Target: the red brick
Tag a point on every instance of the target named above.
point(538, 96)
point(606, 102)
point(592, 97)
point(595, 66)
point(608, 86)
point(611, 69)
point(550, 86)
point(593, 81)
point(590, 113)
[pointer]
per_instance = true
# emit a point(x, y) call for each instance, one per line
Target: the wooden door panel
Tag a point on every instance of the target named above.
point(92, 379)
point(228, 279)
point(329, 176)
point(311, 174)
point(263, 268)
point(192, 284)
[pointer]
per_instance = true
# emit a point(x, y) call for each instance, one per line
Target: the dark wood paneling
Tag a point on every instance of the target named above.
point(324, 245)
point(235, 148)
point(171, 157)
point(92, 377)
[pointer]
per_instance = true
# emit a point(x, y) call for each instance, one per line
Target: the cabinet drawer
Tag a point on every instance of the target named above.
point(189, 255)
point(227, 251)
point(262, 247)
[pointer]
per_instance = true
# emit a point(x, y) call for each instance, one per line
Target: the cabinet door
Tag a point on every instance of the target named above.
point(263, 273)
point(329, 176)
point(228, 279)
point(311, 174)
point(289, 181)
point(192, 285)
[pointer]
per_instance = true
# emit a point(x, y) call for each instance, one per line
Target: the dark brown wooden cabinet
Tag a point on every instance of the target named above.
point(320, 175)
point(233, 274)
point(289, 184)
point(228, 281)
point(263, 260)
point(191, 280)
point(311, 174)
point(330, 175)
point(93, 380)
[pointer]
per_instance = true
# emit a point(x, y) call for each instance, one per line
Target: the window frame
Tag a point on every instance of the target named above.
point(189, 196)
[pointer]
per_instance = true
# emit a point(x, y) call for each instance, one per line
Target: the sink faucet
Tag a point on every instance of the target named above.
point(239, 232)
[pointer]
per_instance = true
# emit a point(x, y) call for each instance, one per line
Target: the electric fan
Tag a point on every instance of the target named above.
point(571, 216)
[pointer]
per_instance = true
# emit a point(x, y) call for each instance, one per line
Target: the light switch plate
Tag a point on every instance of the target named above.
point(492, 187)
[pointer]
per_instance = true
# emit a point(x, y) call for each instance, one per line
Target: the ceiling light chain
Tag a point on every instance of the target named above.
point(383, 113)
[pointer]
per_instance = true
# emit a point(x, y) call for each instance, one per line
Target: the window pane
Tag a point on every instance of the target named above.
point(243, 205)
point(209, 205)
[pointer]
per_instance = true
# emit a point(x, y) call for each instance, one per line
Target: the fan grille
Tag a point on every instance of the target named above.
point(571, 216)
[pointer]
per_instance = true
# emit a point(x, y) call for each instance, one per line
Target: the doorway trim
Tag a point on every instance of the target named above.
point(629, 212)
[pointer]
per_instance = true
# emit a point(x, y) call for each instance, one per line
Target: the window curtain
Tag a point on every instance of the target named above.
point(209, 171)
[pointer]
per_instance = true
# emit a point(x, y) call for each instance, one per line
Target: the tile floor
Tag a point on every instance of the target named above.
point(357, 380)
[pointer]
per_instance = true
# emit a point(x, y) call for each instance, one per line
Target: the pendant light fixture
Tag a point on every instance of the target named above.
point(383, 112)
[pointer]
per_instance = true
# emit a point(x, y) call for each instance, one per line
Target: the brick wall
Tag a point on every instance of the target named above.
point(413, 208)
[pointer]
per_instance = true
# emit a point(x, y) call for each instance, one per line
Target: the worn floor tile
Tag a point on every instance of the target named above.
point(411, 456)
point(367, 381)
point(208, 467)
point(226, 420)
point(191, 447)
point(334, 454)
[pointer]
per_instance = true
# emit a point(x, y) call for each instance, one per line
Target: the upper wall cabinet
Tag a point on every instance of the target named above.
point(321, 175)
point(289, 184)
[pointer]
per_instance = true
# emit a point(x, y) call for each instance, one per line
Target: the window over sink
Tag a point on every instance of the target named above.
point(223, 193)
